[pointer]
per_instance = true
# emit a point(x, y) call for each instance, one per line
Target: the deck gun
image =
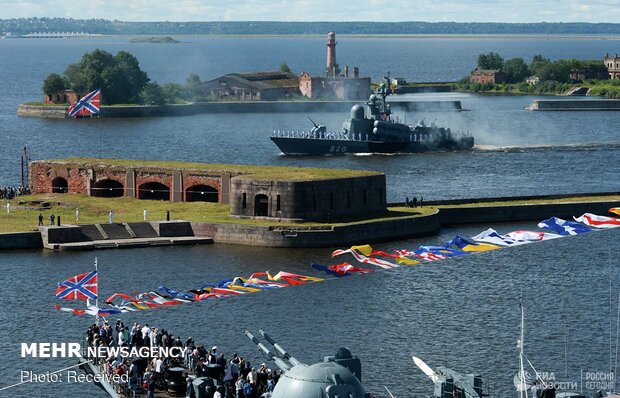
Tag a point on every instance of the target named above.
point(318, 128)
point(337, 376)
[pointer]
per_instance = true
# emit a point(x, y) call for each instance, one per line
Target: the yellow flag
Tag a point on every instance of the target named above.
point(366, 250)
point(480, 247)
point(406, 261)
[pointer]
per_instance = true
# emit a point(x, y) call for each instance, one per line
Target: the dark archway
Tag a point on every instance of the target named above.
point(153, 191)
point(201, 193)
point(261, 206)
point(108, 189)
point(60, 185)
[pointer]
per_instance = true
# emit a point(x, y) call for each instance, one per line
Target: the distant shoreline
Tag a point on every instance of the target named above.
point(472, 36)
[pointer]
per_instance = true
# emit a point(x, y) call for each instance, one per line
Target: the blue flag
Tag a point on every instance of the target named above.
point(564, 227)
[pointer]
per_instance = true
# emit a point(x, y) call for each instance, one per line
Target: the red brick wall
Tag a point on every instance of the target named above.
point(78, 179)
point(191, 180)
point(142, 177)
point(42, 175)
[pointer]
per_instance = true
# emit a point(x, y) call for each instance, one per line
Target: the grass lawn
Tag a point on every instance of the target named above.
point(277, 173)
point(25, 211)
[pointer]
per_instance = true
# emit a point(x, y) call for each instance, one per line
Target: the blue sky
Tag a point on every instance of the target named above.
point(320, 10)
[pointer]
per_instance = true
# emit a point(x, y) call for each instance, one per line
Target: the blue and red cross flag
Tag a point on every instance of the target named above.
point(87, 105)
point(79, 287)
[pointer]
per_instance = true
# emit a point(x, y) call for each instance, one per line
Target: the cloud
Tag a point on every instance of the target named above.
point(321, 10)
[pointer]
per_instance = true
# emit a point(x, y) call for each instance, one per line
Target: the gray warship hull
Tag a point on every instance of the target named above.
point(323, 146)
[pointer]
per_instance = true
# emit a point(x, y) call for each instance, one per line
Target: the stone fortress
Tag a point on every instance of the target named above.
point(294, 194)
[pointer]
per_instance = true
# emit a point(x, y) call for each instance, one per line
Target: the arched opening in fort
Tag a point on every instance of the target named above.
point(60, 185)
point(261, 205)
point(108, 189)
point(153, 191)
point(202, 193)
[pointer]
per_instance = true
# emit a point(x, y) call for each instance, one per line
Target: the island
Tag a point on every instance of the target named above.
point(154, 39)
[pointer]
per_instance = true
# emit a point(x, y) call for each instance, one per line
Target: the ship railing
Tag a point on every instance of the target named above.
point(327, 135)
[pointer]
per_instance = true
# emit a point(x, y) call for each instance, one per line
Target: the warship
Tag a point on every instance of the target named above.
point(377, 133)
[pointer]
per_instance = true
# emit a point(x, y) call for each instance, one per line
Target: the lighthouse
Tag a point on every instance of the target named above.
point(332, 66)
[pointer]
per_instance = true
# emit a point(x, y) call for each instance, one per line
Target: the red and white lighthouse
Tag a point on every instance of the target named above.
point(331, 55)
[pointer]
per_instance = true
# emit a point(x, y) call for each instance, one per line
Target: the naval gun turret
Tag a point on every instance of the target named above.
point(337, 376)
point(450, 383)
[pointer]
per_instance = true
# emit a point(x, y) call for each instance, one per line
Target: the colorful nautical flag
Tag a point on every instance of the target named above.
point(79, 287)
point(367, 260)
point(340, 270)
point(176, 294)
point(593, 220)
point(87, 105)
point(469, 246)
point(563, 227)
point(614, 210)
point(532, 235)
point(491, 236)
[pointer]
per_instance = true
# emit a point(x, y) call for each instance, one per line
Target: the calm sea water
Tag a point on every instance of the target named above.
point(462, 313)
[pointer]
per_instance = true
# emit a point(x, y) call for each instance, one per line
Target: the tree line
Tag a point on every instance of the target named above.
point(517, 70)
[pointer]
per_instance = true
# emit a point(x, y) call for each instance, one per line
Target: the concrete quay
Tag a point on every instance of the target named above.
point(119, 236)
point(574, 105)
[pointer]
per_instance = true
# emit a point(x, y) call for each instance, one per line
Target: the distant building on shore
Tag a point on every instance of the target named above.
point(61, 97)
point(487, 76)
point(532, 80)
point(613, 66)
point(333, 84)
point(253, 86)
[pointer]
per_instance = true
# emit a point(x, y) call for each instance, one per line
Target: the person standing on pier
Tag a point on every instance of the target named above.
point(40, 219)
point(77, 215)
point(52, 217)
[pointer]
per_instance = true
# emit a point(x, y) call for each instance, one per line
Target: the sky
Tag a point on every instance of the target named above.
point(320, 10)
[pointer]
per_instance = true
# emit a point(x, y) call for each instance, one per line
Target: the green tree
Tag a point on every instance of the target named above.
point(538, 63)
point(120, 78)
point(490, 61)
point(153, 94)
point(558, 71)
point(284, 68)
point(54, 83)
point(193, 90)
point(515, 69)
point(173, 92)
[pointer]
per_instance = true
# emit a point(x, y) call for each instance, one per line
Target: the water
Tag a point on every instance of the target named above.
point(460, 313)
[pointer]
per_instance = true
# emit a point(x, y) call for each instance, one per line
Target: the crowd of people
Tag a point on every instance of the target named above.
point(11, 192)
point(232, 378)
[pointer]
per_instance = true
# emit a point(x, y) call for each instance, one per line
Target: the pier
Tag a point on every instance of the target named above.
point(574, 105)
point(120, 235)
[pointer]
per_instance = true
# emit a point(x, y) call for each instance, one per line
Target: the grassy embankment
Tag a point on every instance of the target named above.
point(25, 211)
point(575, 199)
point(600, 88)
